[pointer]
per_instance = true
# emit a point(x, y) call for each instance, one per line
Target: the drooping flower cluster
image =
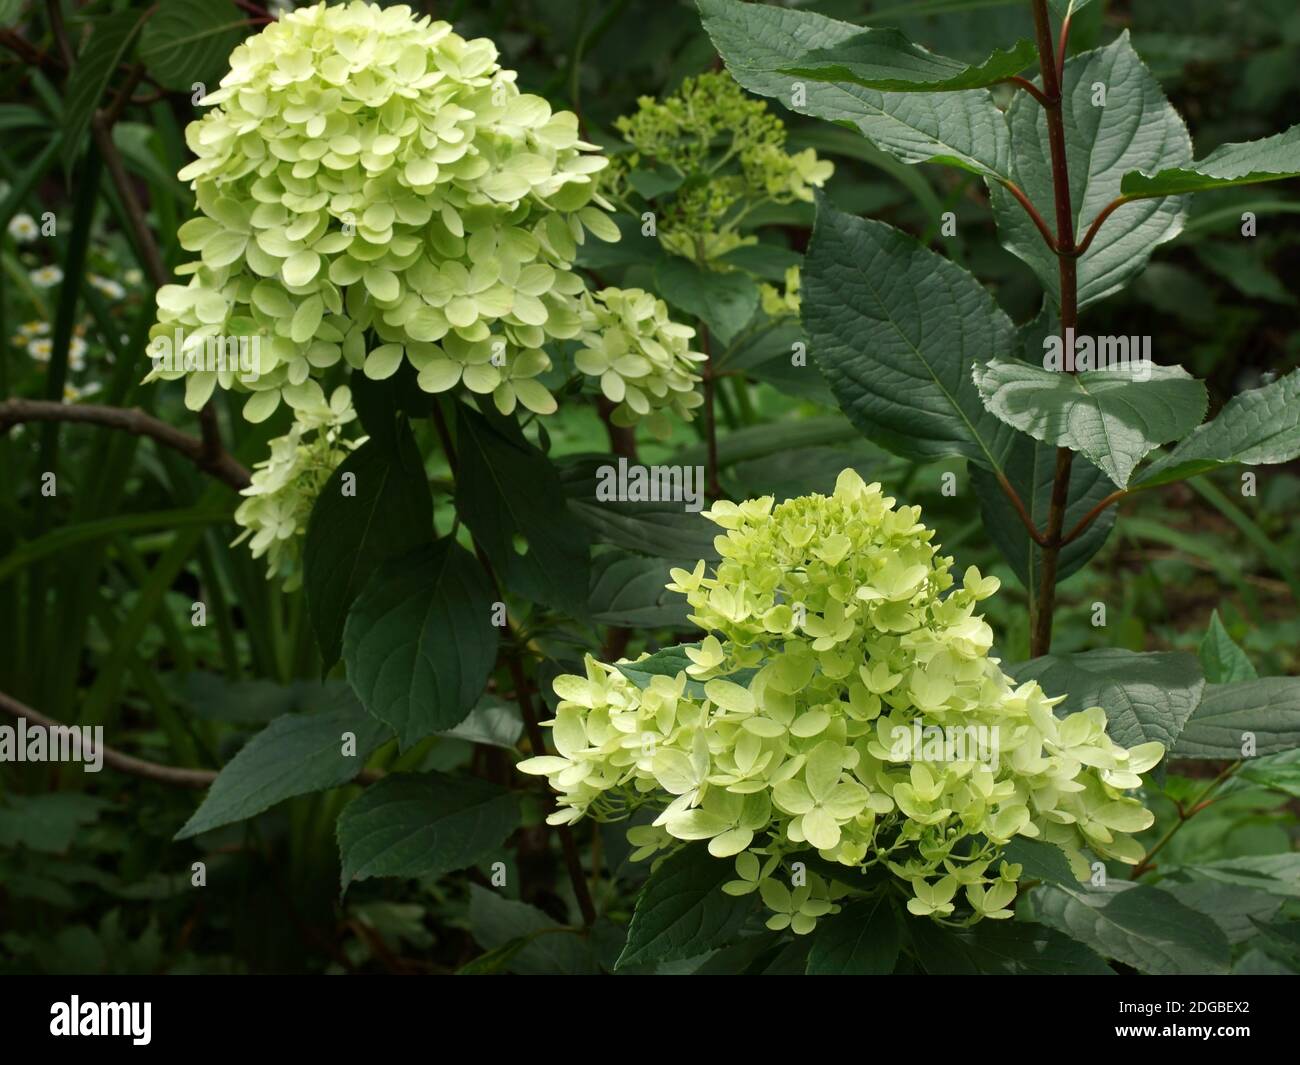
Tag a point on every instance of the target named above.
point(641, 356)
point(285, 486)
point(843, 701)
point(724, 154)
point(366, 173)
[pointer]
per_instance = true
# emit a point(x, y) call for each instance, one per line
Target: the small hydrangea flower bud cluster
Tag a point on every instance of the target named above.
point(709, 128)
point(834, 634)
point(285, 485)
point(641, 356)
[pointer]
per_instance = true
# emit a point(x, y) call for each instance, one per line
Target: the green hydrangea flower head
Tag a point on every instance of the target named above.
point(727, 149)
point(641, 356)
point(843, 702)
point(285, 485)
point(778, 304)
point(374, 188)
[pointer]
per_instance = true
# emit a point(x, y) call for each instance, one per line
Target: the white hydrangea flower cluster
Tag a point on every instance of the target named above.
point(364, 172)
point(285, 486)
point(837, 652)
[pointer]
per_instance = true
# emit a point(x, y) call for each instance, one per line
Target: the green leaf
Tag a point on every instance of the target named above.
point(724, 302)
point(628, 590)
point(1041, 861)
point(1230, 906)
point(759, 41)
point(1277, 772)
point(387, 513)
point(1267, 710)
point(1146, 695)
point(510, 496)
point(420, 643)
point(1141, 926)
point(1030, 468)
point(682, 912)
point(863, 939)
point(671, 661)
point(110, 39)
point(294, 755)
point(1113, 417)
point(1259, 427)
point(1249, 163)
point(522, 939)
point(1281, 940)
point(1221, 659)
point(1001, 947)
point(1274, 874)
point(189, 41)
point(885, 59)
point(493, 722)
point(896, 330)
point(423, 825)
point(1136, 129)
point(663, 529)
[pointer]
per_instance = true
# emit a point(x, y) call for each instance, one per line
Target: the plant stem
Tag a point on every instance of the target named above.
point(1184, 815)
point(1040, 641)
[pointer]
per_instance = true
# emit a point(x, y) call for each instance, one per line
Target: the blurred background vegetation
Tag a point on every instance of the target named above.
point(95, 607)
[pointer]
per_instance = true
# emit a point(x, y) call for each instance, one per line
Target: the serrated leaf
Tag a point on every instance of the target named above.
point(1146, 695)
point(523, 939)
point(863, 939)
point(1030, 468)
point(724, 302)
point(885, 59)
point(628, 590)
point(420, 643)
point(668, 663)
point(1259, 427)
point(189, 41)
point(1136, 129)
point(1268, 710)
point(1113, 417)
point(896, 329)
point(1274, 874)
point(1248, 163)
point(509, 494)
point(1040, 861)
point(1221, 659)
point(388, 514)
point(1141, 926)
point(423, 825)
point(1230, 906)
point(758, 41)
point(682, 912)
point(294, 755)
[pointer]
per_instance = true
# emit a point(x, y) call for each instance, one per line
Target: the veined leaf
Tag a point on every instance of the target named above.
point(1135, 129)
point(189, 41)
point(1113, 417)
point(885, 59)
point(759, 41)
point(681, 911)
point(1259, 427)
point(724, 302)
point(896, 329)
point(294, 755)
point(420, 643)
point(1000, 947)
point(110, 38)
point(1146, 695)
point(1262, 714)
point(423, 825)
point(1138, 925)
point(863, 939)
point(1248, 163)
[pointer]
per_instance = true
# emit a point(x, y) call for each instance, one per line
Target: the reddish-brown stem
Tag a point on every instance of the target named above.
point(1028, 86)
point(1061, 48)
point(1030, 210)
point(1092, 516)
point(1099, 221)
point(1025, 519)
point(1040, 640)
